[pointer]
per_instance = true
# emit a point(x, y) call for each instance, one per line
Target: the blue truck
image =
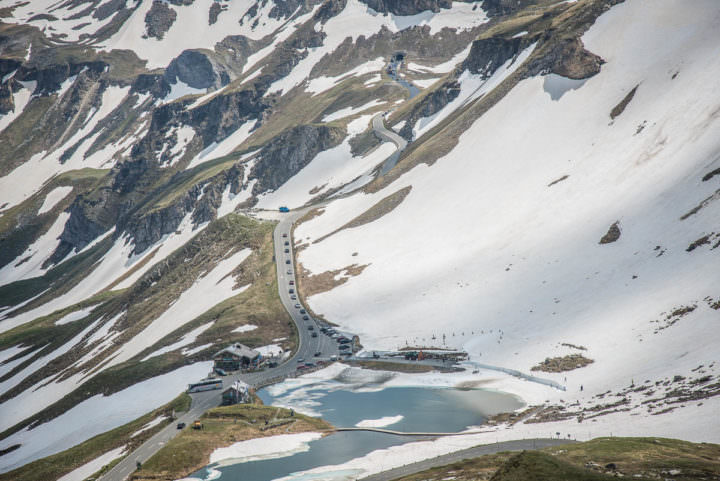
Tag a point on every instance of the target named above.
point(283, 209)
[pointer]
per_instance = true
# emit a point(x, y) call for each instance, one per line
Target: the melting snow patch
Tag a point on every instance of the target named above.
point(270, 447)
point(149, 425)
point(381, 422)
point(98, 415)
point(75, 315)
point(93, 466)
point(53, 197)
point(348, 111)
point(207, 291)
point(245, 328)
point(30, 263)
point(188, 338)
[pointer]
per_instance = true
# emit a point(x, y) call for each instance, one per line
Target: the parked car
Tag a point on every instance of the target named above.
point(287, 250)
point(220, 372)
point(289, 272)
point(318, 354)
point(293, 297)
point(287, 261)
point(291, 291)
point(333, 357)
point(287, 243)
point(301, 359)
point(343, 347)
point(292, 283)
point(181, 425)
point(314, 334)
point(344, 340)
point(311, 328)
point(306, 318)
point(284, 235)
point(297, 306)
point(303, 311)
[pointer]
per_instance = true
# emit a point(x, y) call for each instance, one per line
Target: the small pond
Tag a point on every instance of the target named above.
point(345, 404)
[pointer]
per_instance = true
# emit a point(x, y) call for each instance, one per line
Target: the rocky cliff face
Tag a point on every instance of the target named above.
point(429, 105)
point(486, 55)
point(197, 69)
point(289, 152)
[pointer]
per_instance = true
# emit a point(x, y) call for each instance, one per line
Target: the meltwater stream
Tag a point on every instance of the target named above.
point(419, 409)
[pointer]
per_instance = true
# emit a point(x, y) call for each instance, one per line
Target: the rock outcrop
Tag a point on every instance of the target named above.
point(197, 69)
point(159, 19)
point(430, 105)
point(289, 152)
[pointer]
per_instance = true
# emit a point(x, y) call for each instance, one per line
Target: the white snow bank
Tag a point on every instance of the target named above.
point(348, 111)
point(75, 315)
point(93, 466)
point(271, 350)
point(53, 197)
point(20, 100)
point(30, 262)
point(321, 84)
point(425, 83)
point(149, 425)
point(188, 338)
point(472, 87)
point(270, 447)
point(98, 415)
point(381, 422)
point(245, 328)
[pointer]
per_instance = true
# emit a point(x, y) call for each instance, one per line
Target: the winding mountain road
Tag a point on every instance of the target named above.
point(390, 136)
point(306, 349)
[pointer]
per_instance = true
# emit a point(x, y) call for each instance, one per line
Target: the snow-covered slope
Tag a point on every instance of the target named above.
point(488, 254)
point(130, 131)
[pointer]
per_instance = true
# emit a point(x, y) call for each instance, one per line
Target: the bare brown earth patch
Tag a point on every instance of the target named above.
point(383, 207)
point(311, 284)
point(620, 108)
point(560, 179)
point(564, 363)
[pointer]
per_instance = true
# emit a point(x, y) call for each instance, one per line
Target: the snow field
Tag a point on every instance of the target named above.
point(91, 467)
point(30, 263)
point(98, 415)
point(270, 447)
point(472, 87)
point(508, 268)
point(357, 19)
point(348, 111)
point(191, 30)
point(20, 100)
point(28, 178)
point(321, 84)
point(208, 290)
point(53, 197)
point(113, 265)
point(380, 423)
